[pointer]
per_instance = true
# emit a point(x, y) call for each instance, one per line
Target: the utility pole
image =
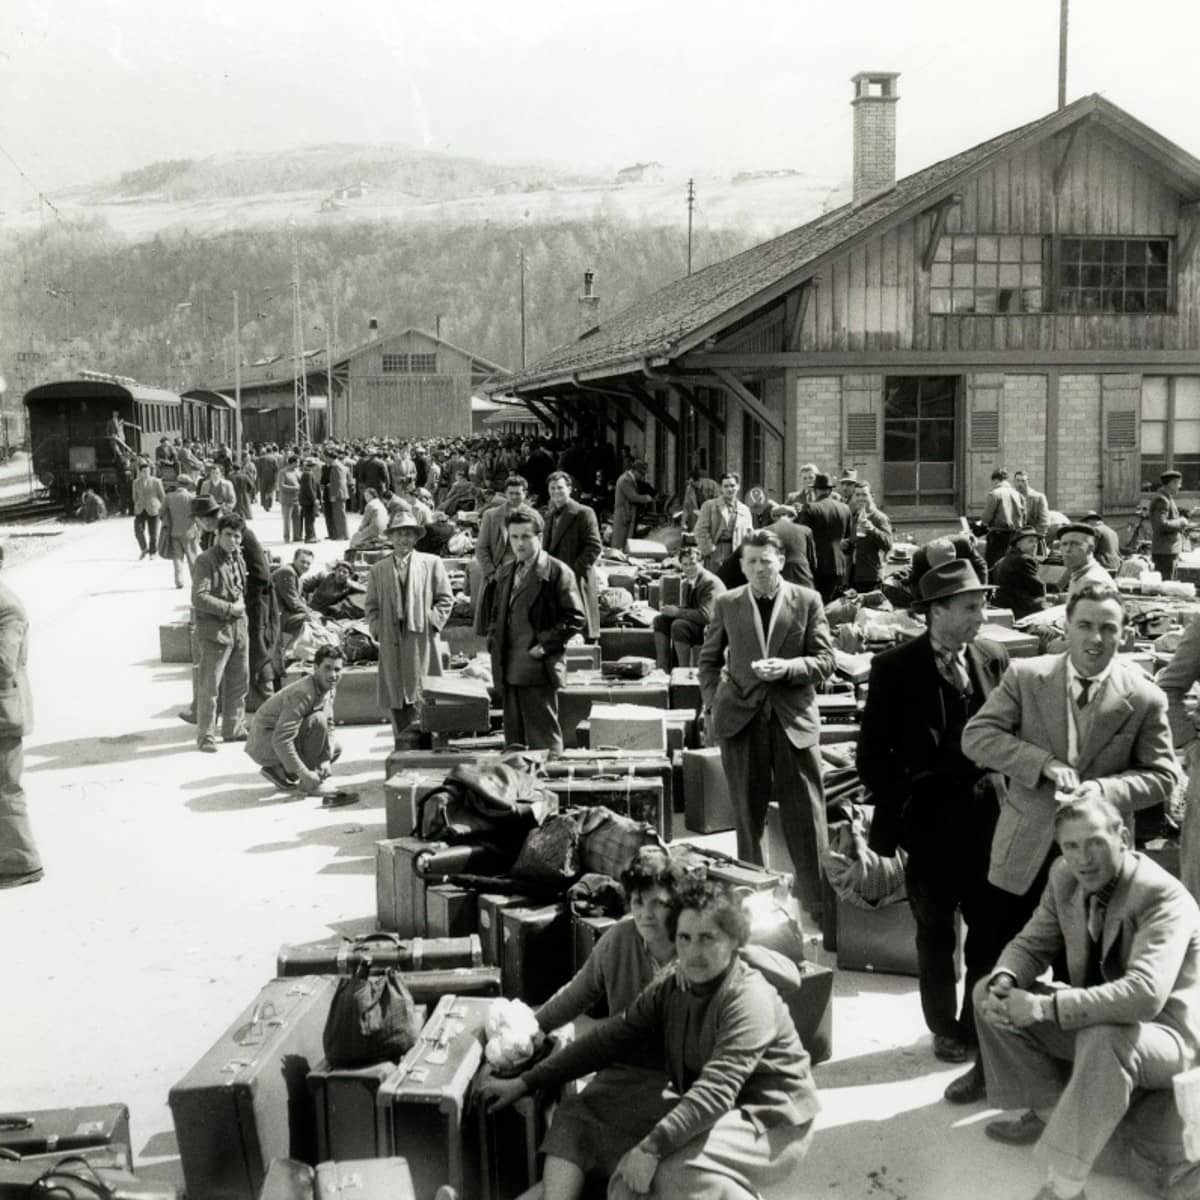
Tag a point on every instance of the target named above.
point(237, 378)
point(300, 380)
point(329, 371)
point(1063, 21)
point(691, 205)
point(522, 307)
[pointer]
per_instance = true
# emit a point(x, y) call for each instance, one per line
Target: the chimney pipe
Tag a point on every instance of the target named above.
point(373, 327)
point(874, 106)
point(589, 305)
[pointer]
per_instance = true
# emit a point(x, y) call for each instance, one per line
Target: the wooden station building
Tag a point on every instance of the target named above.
point(410, 384)
point(1033, 302)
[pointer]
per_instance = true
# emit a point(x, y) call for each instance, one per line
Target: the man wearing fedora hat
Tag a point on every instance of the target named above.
point(932, 800)
point(409, 600)
point(832, 524)
point(1018, 584)
point(1167, 524)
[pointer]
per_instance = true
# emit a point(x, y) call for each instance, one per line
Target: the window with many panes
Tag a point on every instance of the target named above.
point(919, 441)
point(393, 363)
point(422, 364)
point(1114, 275)
point(1171, 428)
point(987, 274)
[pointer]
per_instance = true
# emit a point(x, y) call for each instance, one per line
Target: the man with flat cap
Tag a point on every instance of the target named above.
point(1108, 544)
point(934, 801)
point(1077, 544)
point(409, 601)
point(1167, 525)
point(1018, 584)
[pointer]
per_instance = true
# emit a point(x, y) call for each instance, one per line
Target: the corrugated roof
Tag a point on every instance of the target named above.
point(657, 326)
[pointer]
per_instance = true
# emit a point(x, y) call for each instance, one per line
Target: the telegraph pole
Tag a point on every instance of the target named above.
point(237, 379)
point(522, 306)
point(300, 384)
point(1063, 21)
point(691, 205)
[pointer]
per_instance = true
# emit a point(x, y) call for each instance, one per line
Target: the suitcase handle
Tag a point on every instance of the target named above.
point(381, 935)
point(264, 1015)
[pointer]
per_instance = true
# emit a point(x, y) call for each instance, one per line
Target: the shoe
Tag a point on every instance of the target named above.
point(339, 799)
point(279, 777)
point(968, 1088)
point(12, 881)
point(141, 556)
point(207, 746)
point(189, 717)
point(238, 735)
point(949, 1049)
point(1023, 1131)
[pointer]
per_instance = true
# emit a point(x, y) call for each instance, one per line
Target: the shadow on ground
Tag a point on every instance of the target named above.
point(102, 751)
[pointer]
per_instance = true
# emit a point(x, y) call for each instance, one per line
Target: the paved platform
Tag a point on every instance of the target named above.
point(172, 878)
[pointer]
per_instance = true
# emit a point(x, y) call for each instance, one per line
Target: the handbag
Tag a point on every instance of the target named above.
point(372, 1019)
point(550, 852)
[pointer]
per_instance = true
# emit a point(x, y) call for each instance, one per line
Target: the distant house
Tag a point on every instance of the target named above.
point(409, 384)
point(351, 191)
point(649, 172)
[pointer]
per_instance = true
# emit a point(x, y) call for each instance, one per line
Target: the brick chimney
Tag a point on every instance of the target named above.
point(874, 106)
point(589, 305)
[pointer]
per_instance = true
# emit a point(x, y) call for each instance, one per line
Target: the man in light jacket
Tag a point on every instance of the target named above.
point(148, 501)
point(723, 524)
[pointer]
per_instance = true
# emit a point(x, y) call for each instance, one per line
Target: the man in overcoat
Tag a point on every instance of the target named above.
point(573, 536)
point(1167, 524)
point(492, 548)
point(766, 649)
point(1018, 584)
point(537, 610)
point(832, 524)
point(723, 523)
point(409, 601)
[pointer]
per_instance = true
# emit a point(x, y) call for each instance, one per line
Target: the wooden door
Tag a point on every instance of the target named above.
point(1120, 397)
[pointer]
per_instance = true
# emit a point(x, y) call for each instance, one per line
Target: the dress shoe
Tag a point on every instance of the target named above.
point(949, 1049)
point(189, 717)
point(338, 799)
point(1023, 1131)
point(279, 777)
point(208, 746)
point(12, 881)
point(968, 1088)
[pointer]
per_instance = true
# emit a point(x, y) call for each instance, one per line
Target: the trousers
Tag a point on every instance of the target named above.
point(145, 529)
point(307, 519)
point(335, 516)
point(265, 496)
point(315, 744)
point(222, 680)
point(1166, 564)
point(674, 632)
point(183, 552)
point(761, 763)
point(290, 511)
point(1024, 1068)
point(531, 718)
point(18, 853)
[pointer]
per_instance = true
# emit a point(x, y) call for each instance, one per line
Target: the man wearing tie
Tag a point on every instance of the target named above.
point(573, 537)
point(723, 523)
point(681, 626)
point(492, 549)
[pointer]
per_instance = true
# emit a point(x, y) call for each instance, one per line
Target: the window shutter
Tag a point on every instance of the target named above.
point(1120, 431)
point(1121, 466)
point(985, 429)
point(862, 433)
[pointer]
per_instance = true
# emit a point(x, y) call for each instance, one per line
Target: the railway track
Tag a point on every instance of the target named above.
point(31, 512)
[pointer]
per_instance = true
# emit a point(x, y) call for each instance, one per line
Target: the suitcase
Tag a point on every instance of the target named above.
point(581, 658)
point(812, 1010)
point(1018, 644)
point(680, 728)
point(585, 688)
point(428, 987)
point(402, 796)
point(421, 1108)
point(670, 589)
point(508, 1143)
point(451, 912)
point(246, 1102)
point(434, 762)
point(775, 851)
point(743, 875)
point(356, 700)
point(638, 796)
point(175, 642)
point(18, 1175)
point(453, 704)
point(341, 956)
point(621, 643)
point(707, 805)
point(880, 939)
point(63, 1131)
point(364, 1179)
point(645, 548)
point(585, 933)
point(491, 928)
point(537, 951)
point(344, 1109)
point(406, 867)
point(837, 708)
point(685, 688)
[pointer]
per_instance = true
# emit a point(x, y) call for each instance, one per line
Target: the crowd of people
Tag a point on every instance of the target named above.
point(1009, 787)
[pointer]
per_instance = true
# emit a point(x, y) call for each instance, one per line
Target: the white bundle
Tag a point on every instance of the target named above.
point(513, 1034)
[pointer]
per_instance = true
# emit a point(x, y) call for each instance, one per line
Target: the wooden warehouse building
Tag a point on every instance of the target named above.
point(410, 384)
point(1033, 302)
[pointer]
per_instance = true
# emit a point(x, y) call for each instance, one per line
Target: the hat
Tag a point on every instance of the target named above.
point(1092, 516)
point(779, 511)
point(203, 506)
point(821, 483)
point(850, 476)
point(1024, 532)
point(1078, 527)
point(403, 519)
point(1167, 476)
point(954, 578)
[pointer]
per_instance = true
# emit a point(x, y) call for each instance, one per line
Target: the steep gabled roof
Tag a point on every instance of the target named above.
point(684, 313)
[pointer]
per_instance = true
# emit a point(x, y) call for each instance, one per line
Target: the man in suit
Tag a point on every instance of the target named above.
point(492, 547)
point(267, 465)
point(293, 613)
point(766, 649)
point(20, 862)
point(409, 601)
point(573, 536)
point(1037, 507)
point(1167, 524)
point(681, 626)
point(537, 610)
point(870, 539)
point(1130, 1015)
point(1003, 514)
point(932, 800)
point(1108, 545)
point(799, 548)
point(629, 497)
point(1018, 584)
point(831, 524)
point(1063, 725)
point(723, 523)
point(337, 494)
point(148, 501)
point(1077, 545)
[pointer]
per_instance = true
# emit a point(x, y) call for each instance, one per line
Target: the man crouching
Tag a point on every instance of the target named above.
point(291, 735)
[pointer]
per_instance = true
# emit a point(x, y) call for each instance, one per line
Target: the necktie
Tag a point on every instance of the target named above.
point(1085, 686)
point(1095, 924)
point(954, 672)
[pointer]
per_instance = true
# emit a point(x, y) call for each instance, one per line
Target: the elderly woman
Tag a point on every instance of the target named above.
point(736, 1120)
point(372, 527)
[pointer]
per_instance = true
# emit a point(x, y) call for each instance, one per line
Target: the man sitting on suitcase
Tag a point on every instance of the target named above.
point(291, 735)
point(681, 626)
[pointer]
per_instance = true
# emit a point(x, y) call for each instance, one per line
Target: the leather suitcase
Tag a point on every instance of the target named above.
point(537, 951)
point(744, 875)
point(364, 1179)
point(175, 642)
point(509, 1142)
point(428, 987)
point(620, 643)
point(402, 796)
point(356, 701)
point(638, 796)
point(491, 928)
point(670, 589)
point(62, 1131)
point(681, 731)
point(421, 1108)
point(406, 867)
point(451, 912)
point(453, 704)
point(17, 1177)
point(581, 658)
point(685, 688)
point(344, 1108)
point(877, 939)
point(585, 688)
point(341, 956)
point(585, 933)
point(587, 764)
point(707, 806)
point(812, 1010)
point(246, 1102)
point(435, 762)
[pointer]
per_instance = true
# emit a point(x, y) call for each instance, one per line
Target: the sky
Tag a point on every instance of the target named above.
point(90, 88)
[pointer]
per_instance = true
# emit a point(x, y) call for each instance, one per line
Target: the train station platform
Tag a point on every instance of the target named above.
point(172, 878)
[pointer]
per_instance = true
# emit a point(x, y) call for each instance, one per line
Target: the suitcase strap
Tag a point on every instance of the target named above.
point(433, 1047)
point(58, 1182)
